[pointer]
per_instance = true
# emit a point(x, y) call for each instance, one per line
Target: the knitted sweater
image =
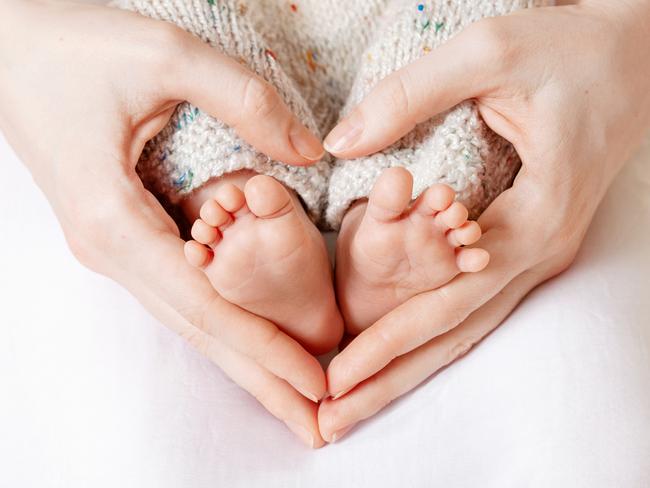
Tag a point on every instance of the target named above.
point(324, 56)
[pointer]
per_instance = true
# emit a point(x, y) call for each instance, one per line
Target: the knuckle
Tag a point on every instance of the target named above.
point(493, 41)
point(459, 349)
point(397, 91)
point(455, 314)
point(162, 45)
point(393, 344)
point(168, 38)
point(260, 100)
point(266, 348)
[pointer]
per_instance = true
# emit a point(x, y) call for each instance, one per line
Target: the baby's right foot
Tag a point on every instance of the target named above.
point(390, 249)
point(261, 252)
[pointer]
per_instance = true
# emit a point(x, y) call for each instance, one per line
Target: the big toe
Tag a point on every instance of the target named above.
point(267, 198)
point(391, 194)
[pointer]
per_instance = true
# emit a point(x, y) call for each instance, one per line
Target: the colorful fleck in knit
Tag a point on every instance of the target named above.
point(324, 56)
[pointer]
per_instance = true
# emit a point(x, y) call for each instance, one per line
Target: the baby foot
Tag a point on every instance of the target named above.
point(390, 250)
point(261, 252)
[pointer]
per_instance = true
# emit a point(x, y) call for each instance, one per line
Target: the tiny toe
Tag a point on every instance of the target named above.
point(436, 198)
point(472, 260)
point(231, 198)
point(214, 214)
point(455, 216)
point(466, 234)
point(197, 254)
point(391, 194)
point(267, 198)
point(204, 233)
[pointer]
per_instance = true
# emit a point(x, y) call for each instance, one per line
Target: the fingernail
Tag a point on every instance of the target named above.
point(341, 393)
point(306, 144)
point(346, 134)
point(301, 432)
point(306, 394)
point(312, 397)
point(340, 433)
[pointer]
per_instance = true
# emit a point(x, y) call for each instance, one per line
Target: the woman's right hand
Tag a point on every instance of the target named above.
point(82, 89)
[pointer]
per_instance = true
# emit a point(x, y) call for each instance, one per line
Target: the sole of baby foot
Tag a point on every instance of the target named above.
point(261, 252)
point(391, 249)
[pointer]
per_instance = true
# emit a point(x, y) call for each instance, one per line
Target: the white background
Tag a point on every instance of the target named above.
point(95, 393)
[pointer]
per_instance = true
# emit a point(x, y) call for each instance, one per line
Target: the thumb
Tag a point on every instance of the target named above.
point(448, 75)
point(230, 92)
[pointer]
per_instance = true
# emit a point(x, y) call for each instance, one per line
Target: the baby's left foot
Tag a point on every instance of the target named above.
point(390, 250)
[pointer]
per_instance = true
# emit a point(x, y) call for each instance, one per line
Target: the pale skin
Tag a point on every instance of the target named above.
point(82, 88)
point(547, 88)
point(568, 86)
point(261, 252)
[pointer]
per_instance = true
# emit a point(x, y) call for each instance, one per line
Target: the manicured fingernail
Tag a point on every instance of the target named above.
point(341, 393)
point(306, 144)
point(340, 433)
point(301, 432)
point(346, 134)
point(313, 397)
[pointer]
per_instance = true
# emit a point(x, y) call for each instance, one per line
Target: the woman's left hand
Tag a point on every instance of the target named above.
point(568, 86)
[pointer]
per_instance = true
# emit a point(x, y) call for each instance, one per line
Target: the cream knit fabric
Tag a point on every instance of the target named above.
point(323, 56)
point(455, 148)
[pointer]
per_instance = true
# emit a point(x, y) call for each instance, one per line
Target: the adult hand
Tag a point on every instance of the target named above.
point(568, 86)
point(82, 88)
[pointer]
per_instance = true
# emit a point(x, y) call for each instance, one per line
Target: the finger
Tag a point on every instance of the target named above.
point(263, 342)
point(455, 71)
point(276, 395)
point(230, 92)
point(150, 261)
point(425, 316)
point(336, 417)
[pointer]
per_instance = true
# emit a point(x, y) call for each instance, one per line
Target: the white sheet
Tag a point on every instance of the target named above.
point(95, 393)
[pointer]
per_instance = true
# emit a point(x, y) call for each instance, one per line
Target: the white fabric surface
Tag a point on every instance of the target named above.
point(95, 393)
